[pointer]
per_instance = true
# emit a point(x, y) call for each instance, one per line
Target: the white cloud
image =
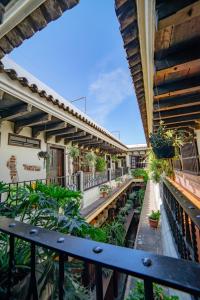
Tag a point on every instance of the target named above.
point(107, 92)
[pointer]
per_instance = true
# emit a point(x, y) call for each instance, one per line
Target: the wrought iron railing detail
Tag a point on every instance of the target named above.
point(69, 181)
point(170, 272)
point(184, 220)
point(125, 170)
point(91, 180)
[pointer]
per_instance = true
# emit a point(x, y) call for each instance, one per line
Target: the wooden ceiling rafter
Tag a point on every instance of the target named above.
point(38, 119)
point(15, 111)
point(183, 15)
point(171, 103)
point(36, 130)
point(178, 112)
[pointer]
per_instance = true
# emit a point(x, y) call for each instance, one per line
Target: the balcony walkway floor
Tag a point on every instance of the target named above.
point(158, 241)
point(147, 238)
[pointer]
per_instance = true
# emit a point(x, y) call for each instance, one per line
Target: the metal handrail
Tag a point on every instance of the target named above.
point(184, 220)
point(170, 272)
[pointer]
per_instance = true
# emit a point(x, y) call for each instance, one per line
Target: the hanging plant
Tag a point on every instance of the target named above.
point(114, 158)
point(90, 159)
point(73, 151)
point(100, 164)
point(44, 155)
point(165, 143)
point(162, 142)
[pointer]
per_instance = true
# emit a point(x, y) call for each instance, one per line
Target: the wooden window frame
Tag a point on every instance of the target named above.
point(23, 145)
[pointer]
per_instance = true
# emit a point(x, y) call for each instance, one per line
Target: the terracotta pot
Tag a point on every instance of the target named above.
point(104, 194)
point(153, 223)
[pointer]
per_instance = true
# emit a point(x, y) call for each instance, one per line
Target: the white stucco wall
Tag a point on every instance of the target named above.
point(23, 155)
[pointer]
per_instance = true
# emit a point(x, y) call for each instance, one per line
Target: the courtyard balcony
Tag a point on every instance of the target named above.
point(150, 259)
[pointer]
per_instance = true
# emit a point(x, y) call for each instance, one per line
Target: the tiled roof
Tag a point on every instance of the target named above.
point(34, 22)
point(126, 11)
point(45, 96)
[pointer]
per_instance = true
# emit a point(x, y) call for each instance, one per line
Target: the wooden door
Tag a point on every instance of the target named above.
point(56, 167)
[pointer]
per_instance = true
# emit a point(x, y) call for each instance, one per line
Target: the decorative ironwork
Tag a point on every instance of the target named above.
point(71, 182)
point(91, 180)
point(184, 221)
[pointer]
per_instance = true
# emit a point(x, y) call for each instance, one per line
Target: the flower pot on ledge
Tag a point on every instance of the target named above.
point(104, 194)
point(153, 223)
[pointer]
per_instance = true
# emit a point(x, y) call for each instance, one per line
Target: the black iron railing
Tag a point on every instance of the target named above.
point(91, 180)
point(116, 173)
point(71, 182)
point(170, 272)
point(184, 220)
point(125, 170)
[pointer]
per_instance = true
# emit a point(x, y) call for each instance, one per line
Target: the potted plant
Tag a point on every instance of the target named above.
point(90, 159)
point(100, 164)
point(104, 190)
point(140, 174)
point(154, 218)
point(44, 155)
point(114, 158)
point(73, 151)
point(162, 142)
point(118, 181)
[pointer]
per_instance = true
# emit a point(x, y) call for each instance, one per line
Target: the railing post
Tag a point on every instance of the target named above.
point(122, 171)
point(109, 175)
point(80, 181)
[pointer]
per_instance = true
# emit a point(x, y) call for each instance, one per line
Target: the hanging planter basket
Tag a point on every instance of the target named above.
point(165, 151)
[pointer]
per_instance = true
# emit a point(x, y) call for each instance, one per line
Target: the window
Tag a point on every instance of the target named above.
point(23, 141)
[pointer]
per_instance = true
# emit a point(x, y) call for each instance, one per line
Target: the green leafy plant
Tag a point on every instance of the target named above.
point(50, 207)
point(165, 142)
point(73, 151)
point(155, 215)
point(105, 188)
point(114, 158)
point(90, 159)
point(158, 168)
point(3, 187)
point(115, 232)
point(159, 294)
point(141, 173)
point(100, 164)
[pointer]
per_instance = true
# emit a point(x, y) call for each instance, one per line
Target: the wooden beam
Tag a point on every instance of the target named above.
point(184, 91)
point(178, 61)
point(167, 8)
point(38, 119)
point(176, 86)
point(177, 102)
point(181, 119)
point(173, 51)
point(47, 127)
point(183, 15)
point(93, 142)
point(15, 111)
point(70, 136)
point(86, 142)
point(81, 139)
point(185, 111)
point(58, 132)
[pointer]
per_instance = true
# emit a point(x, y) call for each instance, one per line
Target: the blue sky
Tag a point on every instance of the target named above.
point(82, 54)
